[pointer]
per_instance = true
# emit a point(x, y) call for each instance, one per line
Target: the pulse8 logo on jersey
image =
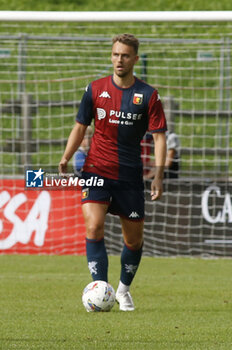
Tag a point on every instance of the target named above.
point(34, 178)
point(101, 113)
point(124, 115)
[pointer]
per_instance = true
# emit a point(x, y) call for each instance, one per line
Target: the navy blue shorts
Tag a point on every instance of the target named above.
point(125, 198)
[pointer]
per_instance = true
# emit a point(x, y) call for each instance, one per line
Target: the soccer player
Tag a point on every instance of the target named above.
point(172, 163)
point(123, 108)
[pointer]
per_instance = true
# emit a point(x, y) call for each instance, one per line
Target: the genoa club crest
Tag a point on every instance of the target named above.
point(138, 99)
point(85, 193)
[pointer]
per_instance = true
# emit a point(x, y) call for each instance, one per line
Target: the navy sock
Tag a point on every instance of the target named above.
point(97, 259)
point(130, 260)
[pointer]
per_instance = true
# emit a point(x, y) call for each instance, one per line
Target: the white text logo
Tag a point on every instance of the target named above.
point(123, 115)
point(53, 182)
point(36, 220)
point(221, 216)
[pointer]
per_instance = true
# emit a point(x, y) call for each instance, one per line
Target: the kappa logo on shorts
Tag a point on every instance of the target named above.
point(85, 193)
point(134, 215)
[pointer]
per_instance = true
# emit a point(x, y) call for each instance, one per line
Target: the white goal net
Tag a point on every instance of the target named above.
point(45, 67)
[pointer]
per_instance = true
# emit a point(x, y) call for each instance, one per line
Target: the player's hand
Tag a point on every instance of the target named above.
point(63, 166)
point(156, 189)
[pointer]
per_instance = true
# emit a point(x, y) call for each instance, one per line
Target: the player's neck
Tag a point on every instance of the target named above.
point(124, 82)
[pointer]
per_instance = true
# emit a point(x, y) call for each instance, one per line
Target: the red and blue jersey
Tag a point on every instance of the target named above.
point(121, 118)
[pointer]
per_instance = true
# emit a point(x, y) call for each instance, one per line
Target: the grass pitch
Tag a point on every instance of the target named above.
point(181, 304)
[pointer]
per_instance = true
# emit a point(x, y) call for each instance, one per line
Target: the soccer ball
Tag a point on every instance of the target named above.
point(98, 296)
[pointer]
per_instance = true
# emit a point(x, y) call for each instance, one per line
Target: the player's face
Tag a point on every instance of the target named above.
point(123, 58)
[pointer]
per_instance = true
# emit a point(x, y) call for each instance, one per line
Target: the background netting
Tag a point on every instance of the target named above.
point(44, 68)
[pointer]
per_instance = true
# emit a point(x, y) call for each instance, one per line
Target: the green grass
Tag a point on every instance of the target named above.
point(181, 304)
point(110, 5)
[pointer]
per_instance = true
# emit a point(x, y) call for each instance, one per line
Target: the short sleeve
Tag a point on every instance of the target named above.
point(172, 141)
point(157, 120)
point(85, 112)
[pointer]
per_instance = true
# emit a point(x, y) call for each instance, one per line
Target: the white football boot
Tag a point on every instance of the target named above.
point(125, 301)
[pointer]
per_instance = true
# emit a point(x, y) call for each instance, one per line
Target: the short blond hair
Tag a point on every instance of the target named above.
point(127, 39)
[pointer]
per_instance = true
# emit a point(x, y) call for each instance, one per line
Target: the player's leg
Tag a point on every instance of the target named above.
point(132, 231)
point(94, 216)
point(130, 260)
point(132, 250)
point(129, 204)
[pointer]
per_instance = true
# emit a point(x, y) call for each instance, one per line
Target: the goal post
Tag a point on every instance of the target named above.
point(46, 61)
point(115, 16)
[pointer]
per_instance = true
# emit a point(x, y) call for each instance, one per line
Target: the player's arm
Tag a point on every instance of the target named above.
point(75, 138)
point(169, 159)
point(160, 157)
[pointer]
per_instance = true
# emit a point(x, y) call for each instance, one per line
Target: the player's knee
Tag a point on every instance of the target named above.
point(95, 231)
point(135, 244)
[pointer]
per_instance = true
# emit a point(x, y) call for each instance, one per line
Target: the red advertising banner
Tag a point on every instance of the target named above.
point(40, 221)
